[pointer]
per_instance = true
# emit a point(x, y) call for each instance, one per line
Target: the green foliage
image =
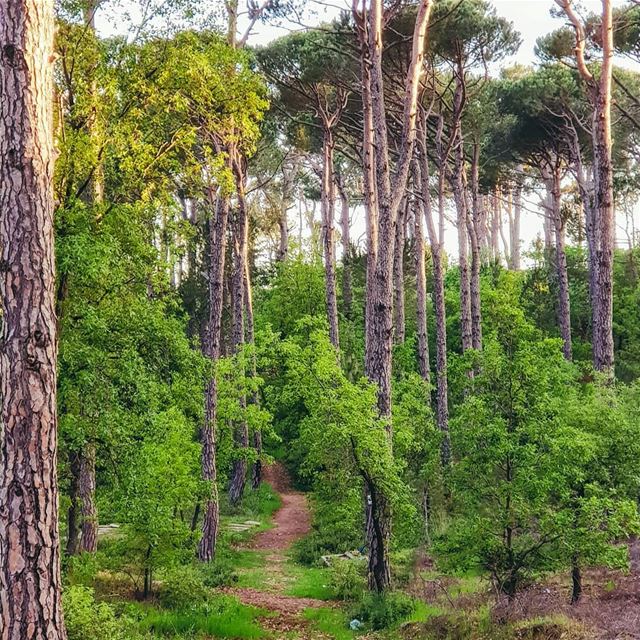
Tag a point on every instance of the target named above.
point(384, 611)
point(532, 482)
point(347, 579)
point(87, 619)
point(182, 589)
point(220, 617)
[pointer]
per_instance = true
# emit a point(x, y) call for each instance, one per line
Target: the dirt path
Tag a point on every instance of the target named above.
point(291, 522)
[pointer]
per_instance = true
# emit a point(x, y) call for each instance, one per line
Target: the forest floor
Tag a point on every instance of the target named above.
point(275, 584)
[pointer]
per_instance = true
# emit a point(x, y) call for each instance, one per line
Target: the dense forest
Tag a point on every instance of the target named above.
point(330, 334)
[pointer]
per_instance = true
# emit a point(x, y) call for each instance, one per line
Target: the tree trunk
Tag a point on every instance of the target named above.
point(560, 260)
point(256, 471)
point(86, 496)
point(459, 193)
point(576, 580)
point(421, 179)
point(240, 230)
point(603, 357)
point(515, 228)
point(345, 222)
point(602, 212)
point(398, 275)
point(495, 226)
point(328, 236)
point(388, 195)
point(30, 585)
point(421, 295)
point(217, 252)
point(473, 227)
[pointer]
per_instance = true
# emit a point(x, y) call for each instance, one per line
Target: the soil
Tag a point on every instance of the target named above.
point(291, 522)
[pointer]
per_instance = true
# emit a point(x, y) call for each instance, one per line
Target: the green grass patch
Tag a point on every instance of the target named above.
point(309, 582)
point(223, 617)
point(332, 622)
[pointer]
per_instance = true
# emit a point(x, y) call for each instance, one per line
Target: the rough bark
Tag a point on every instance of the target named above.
point(388, 195)
point(345, 222)
point(82, 525)
point(552, 180)
point(240, 229)
point(328, 235)
point(256, 470)
point(421, 179)
point(602, 211)
point(398, 276)
point(421, 296)
point(459, 187)
point(473, 227)
point(30, 583)
point(216, 267)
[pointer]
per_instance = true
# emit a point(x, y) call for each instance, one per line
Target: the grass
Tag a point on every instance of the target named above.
point(225, 617)
point(331, 622)
point(309, 582)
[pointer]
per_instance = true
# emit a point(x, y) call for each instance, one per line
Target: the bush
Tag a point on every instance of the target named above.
point(220, 572)
point(83, 568)
point(183, 589)
point(381, 611)
point(346, 579)
point(87, 619)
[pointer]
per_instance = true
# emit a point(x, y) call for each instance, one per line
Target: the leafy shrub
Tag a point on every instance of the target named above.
point(220, 572)
point(402, 564)
point(82, 569)
point(347, 579)
point(87, 619)
point(381, 611)
point(183, 589)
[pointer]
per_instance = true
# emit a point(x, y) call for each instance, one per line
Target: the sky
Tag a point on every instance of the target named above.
point(532, 18)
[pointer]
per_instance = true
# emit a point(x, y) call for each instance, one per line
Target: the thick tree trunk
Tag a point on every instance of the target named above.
point(217, 254)
point(421, 296)
point(603, 357)
point(398, 276)
point(240, 230)
point(30, 583)
point(388, 195)
point(82, 525)
point(328, 236)
point(602, 212)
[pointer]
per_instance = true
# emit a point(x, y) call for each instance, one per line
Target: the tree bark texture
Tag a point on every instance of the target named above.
point(421, 179)
point(383, 215)
point(459, 193)
point(30, 583)
point(217, 251)
point(328, 236)
point(421, 296)
point(602, 211)
point(474, 223)
point(398, 275)
point(240, 230)
point(560, 259)
point(345, 223)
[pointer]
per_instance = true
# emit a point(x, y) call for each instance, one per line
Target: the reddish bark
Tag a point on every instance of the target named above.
point(30, 585)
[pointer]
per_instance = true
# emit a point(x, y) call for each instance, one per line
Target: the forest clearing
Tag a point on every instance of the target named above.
point(320, 319)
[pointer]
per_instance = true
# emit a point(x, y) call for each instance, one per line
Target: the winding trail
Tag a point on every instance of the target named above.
point(291, 522)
